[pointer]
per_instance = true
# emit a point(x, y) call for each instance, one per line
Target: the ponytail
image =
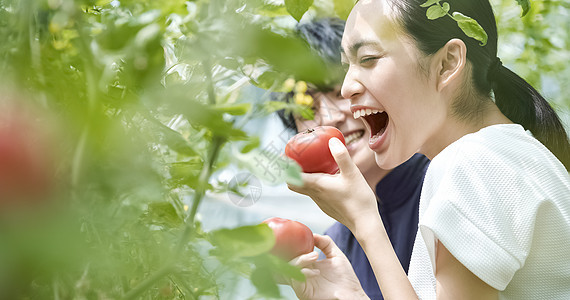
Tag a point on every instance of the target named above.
point(524, 105)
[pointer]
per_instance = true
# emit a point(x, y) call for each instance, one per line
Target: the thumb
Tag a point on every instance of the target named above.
point(341, 156)
point(327, 245)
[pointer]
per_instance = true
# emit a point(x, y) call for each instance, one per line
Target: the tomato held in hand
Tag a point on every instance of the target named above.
point(311, 149)
point(291, 238)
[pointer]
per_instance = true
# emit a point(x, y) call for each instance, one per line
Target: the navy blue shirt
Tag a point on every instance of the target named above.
point(399, 198)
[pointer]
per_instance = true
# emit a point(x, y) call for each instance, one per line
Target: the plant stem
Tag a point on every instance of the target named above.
point(209, 79)
point(147, 283)
point(206, 172)
point(204, 177)
point(215, 147)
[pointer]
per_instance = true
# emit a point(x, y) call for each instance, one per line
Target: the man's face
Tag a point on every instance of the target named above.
point(333, 110)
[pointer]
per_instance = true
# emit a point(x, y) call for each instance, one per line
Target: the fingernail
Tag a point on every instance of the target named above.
point(335, 145)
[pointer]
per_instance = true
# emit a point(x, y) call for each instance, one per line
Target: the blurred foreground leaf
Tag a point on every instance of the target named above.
point(243, 241)
point(342, 8)
point(297, 8)
point(273, 168)
point(525, 5)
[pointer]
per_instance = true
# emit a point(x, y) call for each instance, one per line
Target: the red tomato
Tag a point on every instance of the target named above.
point(25, 165)
point(291, 238)
point(311, 149)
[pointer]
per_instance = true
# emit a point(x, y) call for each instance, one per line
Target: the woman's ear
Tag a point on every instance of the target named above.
point(451, 59)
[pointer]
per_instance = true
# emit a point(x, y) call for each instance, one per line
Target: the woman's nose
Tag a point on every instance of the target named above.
point(351, 87)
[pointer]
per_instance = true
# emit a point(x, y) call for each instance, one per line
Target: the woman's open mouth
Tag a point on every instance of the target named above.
point(377, 122)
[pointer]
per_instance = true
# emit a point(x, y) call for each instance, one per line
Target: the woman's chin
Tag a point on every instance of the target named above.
point(385, 162)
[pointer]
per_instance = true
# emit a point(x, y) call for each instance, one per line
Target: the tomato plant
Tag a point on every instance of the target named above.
point(310, 149)
point(292, 238)
point(151, 100)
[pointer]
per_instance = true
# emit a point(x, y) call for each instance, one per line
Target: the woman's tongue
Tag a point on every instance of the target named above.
point(377, 136)
point(377, 124)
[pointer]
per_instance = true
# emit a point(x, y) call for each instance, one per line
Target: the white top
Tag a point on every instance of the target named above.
point(500, 203)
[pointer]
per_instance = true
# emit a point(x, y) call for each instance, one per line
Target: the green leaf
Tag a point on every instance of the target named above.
point(268, 268)
point(245, 241)
point(525, 5)
point(186, 172)
point(436, 11)
point(292, 171)
point(168, 136)
point(273, 106)
point(234, 109)
point(297, 8)
point(288, 55)
point(270, 80)
point(445, 7)
point(342, 8)
point(306, 113)
point(430, 3)
point(252, 144)
point(269, 165)
point(204, 115)
point(283, 268)
point(262, 279)
point(471, 28)
point(163, 213)
point(273, 10)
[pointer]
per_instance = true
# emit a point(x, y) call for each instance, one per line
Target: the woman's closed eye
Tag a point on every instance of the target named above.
point(368, 60)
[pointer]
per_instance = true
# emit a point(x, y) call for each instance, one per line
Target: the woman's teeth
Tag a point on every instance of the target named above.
point(351, 138)
point(366, 112)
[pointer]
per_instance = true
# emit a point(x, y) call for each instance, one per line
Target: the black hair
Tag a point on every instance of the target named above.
point(515, 97)
point(323, 36)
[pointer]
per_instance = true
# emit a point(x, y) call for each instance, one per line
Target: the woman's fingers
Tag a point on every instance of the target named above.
point(310, 272)
point(342, 157)
point(301, 261)
point(311, 182)
point(326, 244)
point(305, 260)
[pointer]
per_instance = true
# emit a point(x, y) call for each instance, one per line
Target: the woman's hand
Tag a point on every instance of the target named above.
point(329, 278)
point(346, 196)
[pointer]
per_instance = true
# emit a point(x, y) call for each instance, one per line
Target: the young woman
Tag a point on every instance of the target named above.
point(398, 190)
point(495, 205)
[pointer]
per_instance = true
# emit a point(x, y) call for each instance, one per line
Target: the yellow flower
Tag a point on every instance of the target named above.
point(308, 100)
point(302, 99)
point(54, 27)
point(299, 98)
point(301, 87)
point(289, 84)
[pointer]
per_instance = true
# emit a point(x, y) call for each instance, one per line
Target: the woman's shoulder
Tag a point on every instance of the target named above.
point(500, 147)
point(500, 158)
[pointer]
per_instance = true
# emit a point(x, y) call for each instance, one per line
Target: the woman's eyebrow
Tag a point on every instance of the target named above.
point(353, 49)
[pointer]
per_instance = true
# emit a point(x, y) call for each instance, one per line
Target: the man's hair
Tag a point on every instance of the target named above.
point(323, 36)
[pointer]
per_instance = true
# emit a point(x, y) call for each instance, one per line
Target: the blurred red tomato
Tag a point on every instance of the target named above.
point(25, 164)
point(291, 238)
point(311, 149)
